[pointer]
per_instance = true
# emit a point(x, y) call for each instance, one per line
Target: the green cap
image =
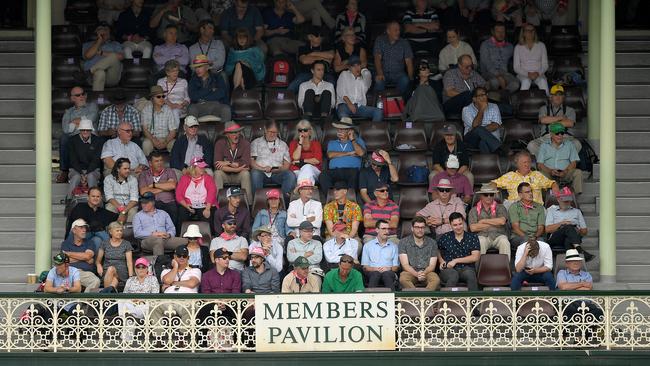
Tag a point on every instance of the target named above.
point(556, 127)
point(60, 258)
point(301, 262)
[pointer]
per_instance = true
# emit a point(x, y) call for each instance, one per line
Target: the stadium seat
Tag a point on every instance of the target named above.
point(204, 228)
point(564, 40)
point(246, 105)
point(136, 73)
point(81, 11)
point(436, 133)
point(494, 270)
point(564, 65)
point(281, 105)
point(256, 130)
point(407, 160)
point(485, 167)
point(412, 200)
point(410, 136)
point(60, 102)
point(101, 98)
point(375, 135)
point(259, 201)
point(329, 134)
point(527, 103)
point(66, 40)
point(574, 98)
point(518, 133)
point(67, 72)
point(351, 195)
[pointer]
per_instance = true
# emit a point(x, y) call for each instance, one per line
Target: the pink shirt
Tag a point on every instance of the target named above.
point(194, 194)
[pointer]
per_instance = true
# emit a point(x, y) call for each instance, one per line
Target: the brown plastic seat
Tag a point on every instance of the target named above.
point(574, 98)
point(246, 105)
point(527, 103)
point(563, 65)
point(518, 131)
point(281, 105)
point(60, 102)
point(485, 167)
point(407, 160)
point(494, 270)
point(412, 200)
point(66, 40)
point(437, 135)
point(67, 72)
point(412, 134)
point(102, 98)
point(256, 130)
point(259, 200)
point(204, 229)
point(81, 11)
point(375, 135)
point(564, 40)
point(136, 73)
point(351, 195)
point(329, 134)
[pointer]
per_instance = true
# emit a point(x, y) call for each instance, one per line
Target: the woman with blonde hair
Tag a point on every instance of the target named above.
point(306, 152)
point(530, 60)
point(176, 93)
point(347, 48)
point(115, 257)
point(196, 193)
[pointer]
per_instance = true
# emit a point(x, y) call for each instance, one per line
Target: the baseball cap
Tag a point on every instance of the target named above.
point(60, 258)
point(79, 223)
point(230, 218)
point(191, 121)
point(377, 159)
point(147, 197)
point(557, 89)
point(257, 251)
point(301, 262)
point(354, 60)
point(181, 251)
point(221, 251)
point(306, 225)
point(556, 127)
point(143, 261)
point(233, 191)
point(340, 185)
point(273, 194)
point(449, 129)
point(198, 162)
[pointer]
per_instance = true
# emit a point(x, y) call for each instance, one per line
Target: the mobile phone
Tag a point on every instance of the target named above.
point(527, 268)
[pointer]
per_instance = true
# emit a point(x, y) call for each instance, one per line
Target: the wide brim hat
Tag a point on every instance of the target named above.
point(262, 229)
point(345, 123)
point(192, 232)
point(487, 188)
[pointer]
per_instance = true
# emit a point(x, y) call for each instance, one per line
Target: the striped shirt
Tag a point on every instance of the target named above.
point(110, 119)
point(381, 213)
point(490, 115)
point(412, 17)
point(160, 123)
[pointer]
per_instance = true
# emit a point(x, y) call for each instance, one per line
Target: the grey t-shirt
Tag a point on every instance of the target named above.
point(550, 110)
point(418, 257)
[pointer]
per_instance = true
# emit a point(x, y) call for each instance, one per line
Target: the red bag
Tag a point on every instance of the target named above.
point(280, 74)
point(393, 106)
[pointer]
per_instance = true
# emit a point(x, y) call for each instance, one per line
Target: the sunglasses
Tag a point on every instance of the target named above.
point(303, 130)
point(347, 261)
point(445, 190)
point(383, 190)
point(183, 256)
point(265, 234)
point(224, 257)
point(79, 95)
point(230, 223)
point(141, 266)
point(560, 133)
point(159, 96)
point(488, 194)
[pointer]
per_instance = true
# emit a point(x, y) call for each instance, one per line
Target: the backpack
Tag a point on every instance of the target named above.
point(78, 196)
point(587, 157)
point(417, 174)
point(281, 73)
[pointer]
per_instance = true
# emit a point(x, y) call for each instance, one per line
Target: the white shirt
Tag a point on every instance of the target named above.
point(115, 149)
point(183, 275)
point(530, 60)
point(317, 88)
point(333, 251)
point(355, 88)
point(543, 259)
point(298, 212)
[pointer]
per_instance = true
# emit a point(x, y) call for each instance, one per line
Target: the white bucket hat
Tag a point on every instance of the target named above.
point(193, 232)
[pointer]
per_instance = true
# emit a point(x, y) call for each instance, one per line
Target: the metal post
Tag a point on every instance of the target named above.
point(593, 87)
point(43, 131)
point(607, 209)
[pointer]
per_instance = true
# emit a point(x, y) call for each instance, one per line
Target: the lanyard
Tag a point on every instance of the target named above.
point(169, 90)
point(234, 155)
point(180, 275)
point(206, 51)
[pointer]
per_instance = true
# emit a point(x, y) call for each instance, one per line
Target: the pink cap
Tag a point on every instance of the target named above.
point(273, 194)
point(378, 159)
point(199, 162)
point(339, 226)
point(142, 260)
point(258, 251)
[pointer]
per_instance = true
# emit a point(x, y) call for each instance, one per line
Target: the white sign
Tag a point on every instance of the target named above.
point(314, 322)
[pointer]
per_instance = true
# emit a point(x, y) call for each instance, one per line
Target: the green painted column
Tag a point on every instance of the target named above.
point(593, 70)
point(607, 81)
point(43, 130)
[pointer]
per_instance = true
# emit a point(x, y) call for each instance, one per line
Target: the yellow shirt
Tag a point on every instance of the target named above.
point(536, 179)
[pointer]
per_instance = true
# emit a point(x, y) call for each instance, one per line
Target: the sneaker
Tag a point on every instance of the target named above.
point(588, 256)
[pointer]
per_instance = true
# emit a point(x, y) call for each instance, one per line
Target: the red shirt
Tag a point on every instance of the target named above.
point(315, 151)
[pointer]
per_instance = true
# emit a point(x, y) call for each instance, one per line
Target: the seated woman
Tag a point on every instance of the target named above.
point(306, 152)
point(142, 283)
point(273, 249)
point(347, 48)
point(115, 257)
point(199, 254)
point(351, 19)
point(176, 95)
point(196, 193)
point(245, 63)
point(273, 217)
point(453, 50)
point(530, 60)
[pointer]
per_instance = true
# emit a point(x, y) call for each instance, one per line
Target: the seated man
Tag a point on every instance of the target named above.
point(343, 279)
point(380, 259)
point(305, 208)
point(316, 96)
point(451, 144)
point(392, 55)
point(574, 278)
point(458, 250)
point(533, 263)
point(242, 15)
point(159, 123)
point(306, 246)
point(418, 255)
point(70, 125)
point(155, 228)
point(234, 208)
point(459, 84)
point(351, 89)
point(381, 209)
point(221, 280)
point(122, 147)
point(496, 56)
point(232, 242)
point(121, 190)
point(488, 220)
point(436, 213)
point(190, 145)
point(132, 29)
point(96, 216)
point(555, 112)
point(557, 159)
point(85, 157)
point(103, 58)
point(161, 182)
point(117, 113)
point(340, 245)
point(300, 280)
point(461, 185)
point(422, 28)
point(209, 46)
point(80, 252)
point(271, 161)
point(527, 217)
point(482, 122)
point(260, 277)
point(380, 172)
point(63, 278)
point(345, 156)
point(173, 12)
point(170, 50)
point(208, 92)
point(523, 173)
point(279, 27)
point(314, 50)
point(566, 225)
point(342, 211)
point(232, 159)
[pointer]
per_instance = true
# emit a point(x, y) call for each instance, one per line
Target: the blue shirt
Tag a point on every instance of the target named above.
point(110, 46)
point(491, 114)
point(345, 161)
point(73, 276)
point(557, 157)
point(450, 248)
point(564, 275)
point(230, 22)
point(144, 224)
point(263, 218)
point(554, 215)
point(376, 255)
point(211, 90)
point(393, 54)
point(68, 246)
point(273, 21)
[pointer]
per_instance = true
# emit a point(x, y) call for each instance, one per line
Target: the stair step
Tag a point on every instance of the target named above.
point(15, 273)
point(26, 240)
point(17, 91)
point(633, 272)
point(630, 156)
point(17, 107)
point(623, 189)
point(28, 189)
point(623, 223)
point(632, 45)
point(17, 124)
point(28, 223)
point(632, 107)
point(23, 206)
point(632, 74)
point(21, 46)
point(632, 123)
point(16, 140)
point(632, 256)
point(18, 173)
point(17, 156)
point(632, 91)
point(21, 287)
point(26, 59)
point(627, 172)
point(632, 59)
point(17, 75)
point(635, 139)
point(630, 206)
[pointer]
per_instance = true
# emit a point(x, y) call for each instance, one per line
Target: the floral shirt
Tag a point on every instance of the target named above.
point(537, 182)
point(351, 212)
